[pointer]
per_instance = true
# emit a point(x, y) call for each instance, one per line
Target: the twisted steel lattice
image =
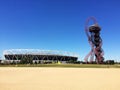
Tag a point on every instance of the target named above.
point(94, 39)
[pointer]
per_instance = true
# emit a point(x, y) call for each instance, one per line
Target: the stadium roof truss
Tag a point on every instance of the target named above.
point(37, 54)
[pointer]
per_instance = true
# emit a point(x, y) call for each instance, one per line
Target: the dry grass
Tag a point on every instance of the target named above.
point(38, 78)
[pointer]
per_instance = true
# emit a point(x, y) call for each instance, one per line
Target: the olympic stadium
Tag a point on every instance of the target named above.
point(39, 55)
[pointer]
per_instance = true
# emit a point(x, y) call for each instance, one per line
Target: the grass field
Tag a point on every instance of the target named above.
point(65, 65)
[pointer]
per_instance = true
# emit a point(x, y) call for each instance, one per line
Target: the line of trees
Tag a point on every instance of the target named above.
point(30, 61)
point(111, 62)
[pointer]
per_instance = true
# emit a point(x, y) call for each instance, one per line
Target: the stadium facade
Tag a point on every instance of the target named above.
point(39, 55)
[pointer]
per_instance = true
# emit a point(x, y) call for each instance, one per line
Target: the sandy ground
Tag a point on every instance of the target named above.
point(38, 78)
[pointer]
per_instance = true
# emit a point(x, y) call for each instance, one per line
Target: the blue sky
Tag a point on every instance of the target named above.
point(58, 25)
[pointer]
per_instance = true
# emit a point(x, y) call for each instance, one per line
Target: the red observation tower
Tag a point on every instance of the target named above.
point(95, 41)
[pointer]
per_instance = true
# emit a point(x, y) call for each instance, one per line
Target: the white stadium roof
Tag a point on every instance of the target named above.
point(39, 52)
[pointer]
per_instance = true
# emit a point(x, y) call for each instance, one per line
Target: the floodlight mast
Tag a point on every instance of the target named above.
point(94, 39)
